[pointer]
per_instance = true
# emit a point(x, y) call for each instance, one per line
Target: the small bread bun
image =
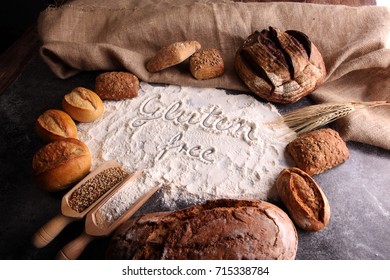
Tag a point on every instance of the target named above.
point(83, 105)
point(116, 85)
point(206, 64)
point(172, 54)
point(305, 201)
point(55, 125)
point(318, 150)
point(60, 164)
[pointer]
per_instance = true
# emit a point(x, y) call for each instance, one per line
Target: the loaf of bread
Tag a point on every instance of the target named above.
point(280, 66)
point(60, 164)
point(306, 203)
point(172, 54)
point(116, 85)
point(319, 150)
point(206, 64)
point(218, 229)
point(55, 125)
point(83, 105)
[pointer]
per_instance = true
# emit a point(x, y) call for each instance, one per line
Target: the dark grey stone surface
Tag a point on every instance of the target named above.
point(358, 190)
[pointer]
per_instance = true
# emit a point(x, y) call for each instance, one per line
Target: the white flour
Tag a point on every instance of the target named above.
point(201, 143)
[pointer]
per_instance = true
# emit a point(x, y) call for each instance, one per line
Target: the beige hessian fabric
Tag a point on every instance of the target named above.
point(122, 35)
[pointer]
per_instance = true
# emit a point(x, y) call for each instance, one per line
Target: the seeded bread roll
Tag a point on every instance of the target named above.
point(319, 150)
point(206, 64)
point(116, 85)
point(55, 125)
point(83, 105)
point(219, 229)
point(60, 164)
point(172, 54)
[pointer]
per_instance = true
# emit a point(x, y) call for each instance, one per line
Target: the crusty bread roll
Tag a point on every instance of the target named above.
point(55, 125)
point(172, 54)
point(319, 150)
point(306, 203)
point(218, 229)
point(83, 105)
point(60, 164)
point(206, 64)
point(116, 85)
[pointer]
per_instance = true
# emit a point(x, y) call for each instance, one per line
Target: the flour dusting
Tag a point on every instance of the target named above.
point(200, 143)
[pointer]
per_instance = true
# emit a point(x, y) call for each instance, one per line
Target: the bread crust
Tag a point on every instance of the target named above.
point(217, 229)
point(306, 203)
point(55, 125)
point(172, 54)
point(280, 66)
point(319, 150)
point(60, 164)
point(206, 64)
point(116, 85)
point(83, 105)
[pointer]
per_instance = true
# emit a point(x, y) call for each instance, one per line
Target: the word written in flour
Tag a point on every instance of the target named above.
point(196, 151)
point(214, 119)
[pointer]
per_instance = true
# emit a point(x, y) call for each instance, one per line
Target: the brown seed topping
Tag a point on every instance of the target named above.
point(96, 187)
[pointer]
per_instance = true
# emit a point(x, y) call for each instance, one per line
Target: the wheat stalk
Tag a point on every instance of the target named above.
point(314, 116)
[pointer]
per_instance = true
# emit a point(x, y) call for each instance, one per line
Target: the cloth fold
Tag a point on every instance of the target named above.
point(86, 35)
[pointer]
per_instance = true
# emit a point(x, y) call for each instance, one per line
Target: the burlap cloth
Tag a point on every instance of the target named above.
point(123, 34)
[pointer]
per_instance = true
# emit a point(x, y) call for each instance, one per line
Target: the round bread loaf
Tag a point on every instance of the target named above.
point(116, 85)
point(55, 125)
point(219, 229)
point(60, 164)
point(280, 66)
point(83, 105)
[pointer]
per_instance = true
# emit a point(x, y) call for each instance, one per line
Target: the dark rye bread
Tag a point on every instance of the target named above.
point(218, 229)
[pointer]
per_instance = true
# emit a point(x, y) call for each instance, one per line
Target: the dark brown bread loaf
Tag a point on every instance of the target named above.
point(218, 229)
point(280, 66)
point(319, 150)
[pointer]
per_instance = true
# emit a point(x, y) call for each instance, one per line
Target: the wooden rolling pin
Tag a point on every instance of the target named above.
point(92, 227)
point(68, 212)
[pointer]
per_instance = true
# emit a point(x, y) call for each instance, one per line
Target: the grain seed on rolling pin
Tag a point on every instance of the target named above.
point(95, 187)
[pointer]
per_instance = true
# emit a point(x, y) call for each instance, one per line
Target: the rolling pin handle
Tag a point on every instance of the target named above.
point(50, 230)
point(74, 249)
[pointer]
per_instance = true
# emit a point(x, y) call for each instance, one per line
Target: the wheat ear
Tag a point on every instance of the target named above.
point(312, 117)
